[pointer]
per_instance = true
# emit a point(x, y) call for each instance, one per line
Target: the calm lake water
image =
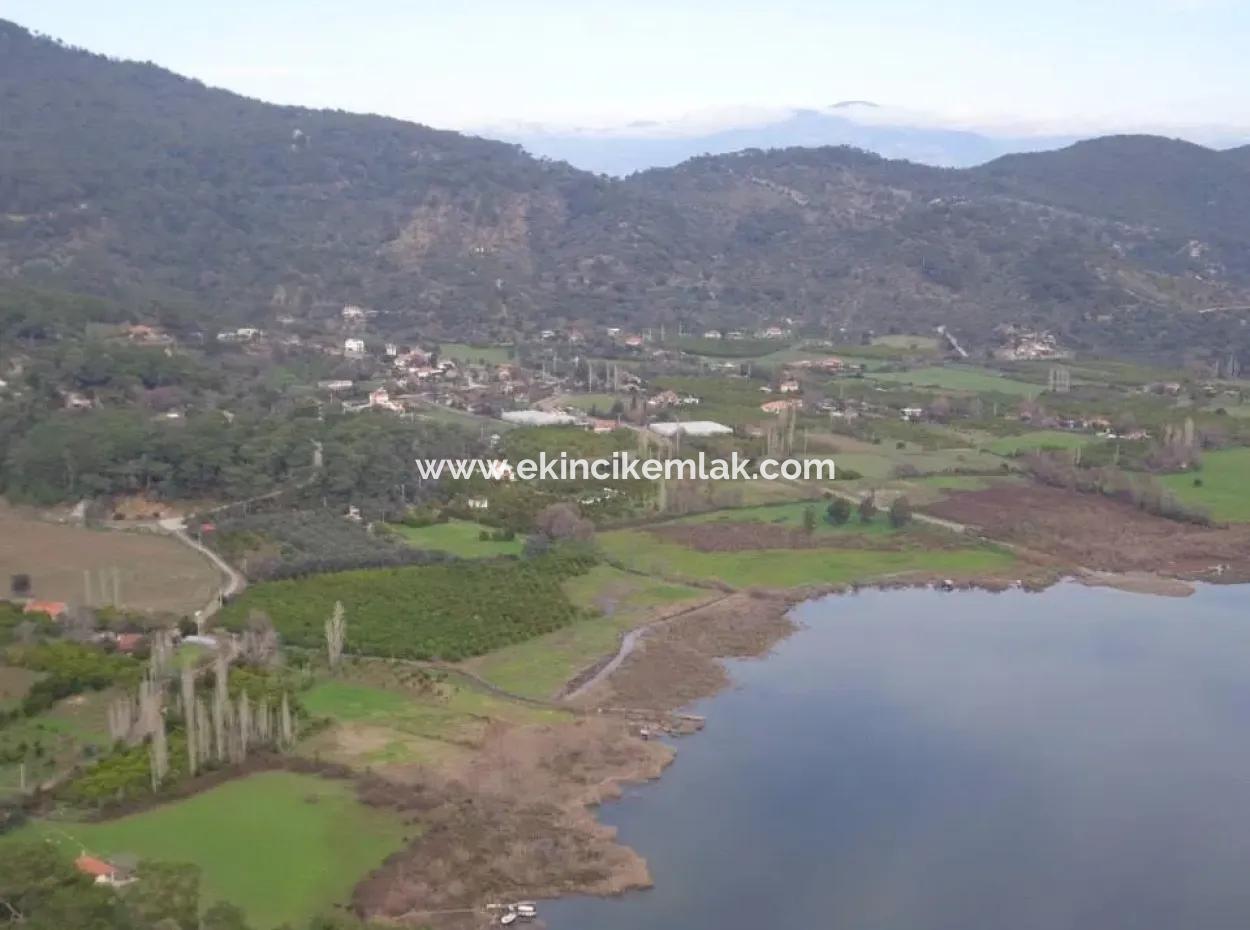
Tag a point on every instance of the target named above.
point(912, 760)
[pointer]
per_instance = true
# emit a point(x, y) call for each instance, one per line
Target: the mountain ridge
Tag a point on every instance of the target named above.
point(133, 183)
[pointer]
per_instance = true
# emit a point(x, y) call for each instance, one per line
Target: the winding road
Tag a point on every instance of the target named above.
point(234, 580)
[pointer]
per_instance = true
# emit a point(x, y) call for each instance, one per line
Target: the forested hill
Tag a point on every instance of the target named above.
point(126, 181)
point(1166, 183)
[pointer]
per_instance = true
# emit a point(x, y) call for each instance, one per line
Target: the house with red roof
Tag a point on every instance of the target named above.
point(101, 872)
point(54, 609)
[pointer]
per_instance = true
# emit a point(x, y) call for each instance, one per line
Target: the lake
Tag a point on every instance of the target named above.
point(913, 760)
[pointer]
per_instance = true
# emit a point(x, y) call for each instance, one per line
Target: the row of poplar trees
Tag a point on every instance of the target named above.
point(219, 728)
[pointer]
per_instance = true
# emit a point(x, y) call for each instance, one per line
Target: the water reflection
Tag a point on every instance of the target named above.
point(921, 761)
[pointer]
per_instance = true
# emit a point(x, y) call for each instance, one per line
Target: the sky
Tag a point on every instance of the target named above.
point(1010, 65)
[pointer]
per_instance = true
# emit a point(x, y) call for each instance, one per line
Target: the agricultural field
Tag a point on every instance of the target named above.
point(1038, 439)
point(614, 602)
point(600, 402)
point(155, 573)
point(464, 354)
point(313, 844)
point(444, 611)
point(437, 413)
point(726, 349)
point(1101, 371)
point(933, 488)
point(395, 716)
point(882, 462)
point(293, 543)
point(459, 538)
point(784, 568)
point(962, 378)
point(732, 401)
point(909, 342)
point(73, 730)
point(1225, 488)
point(791, 517)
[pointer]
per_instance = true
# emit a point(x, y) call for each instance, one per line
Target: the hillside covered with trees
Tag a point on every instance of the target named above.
point(124, 180)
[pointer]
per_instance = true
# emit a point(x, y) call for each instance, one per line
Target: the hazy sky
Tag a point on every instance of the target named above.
point(1058, 65)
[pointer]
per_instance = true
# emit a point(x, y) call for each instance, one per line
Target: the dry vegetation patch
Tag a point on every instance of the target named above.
point(678, 662)
point(512, 822)
point(1095, 532)
point(156, 573)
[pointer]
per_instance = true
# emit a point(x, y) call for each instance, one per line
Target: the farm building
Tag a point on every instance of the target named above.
point(101, 872)
point(53, 609)
point(538, 418)
point(691, 428)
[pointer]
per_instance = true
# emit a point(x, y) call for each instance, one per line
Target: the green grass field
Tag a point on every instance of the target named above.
point(59, 738)
point(458, 537)
point(586, 402)
point(960, 378)
point(933, 488)
point(382, 719)
point(282, 846)
point(880, 464)
point(788, 568)
point(1225, 476)
point(732, 401)
point(1038, 439)
point(466, 354)
point(791, 515)
point(905, 341)
point(620, 601)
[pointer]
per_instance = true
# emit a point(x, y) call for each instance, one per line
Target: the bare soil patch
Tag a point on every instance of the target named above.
point(156, 573)
point(1098, 533)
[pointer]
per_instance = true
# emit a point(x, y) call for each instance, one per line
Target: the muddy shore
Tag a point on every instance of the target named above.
point(518, 820)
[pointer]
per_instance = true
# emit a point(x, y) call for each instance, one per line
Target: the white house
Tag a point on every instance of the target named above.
point(381, 399)
point(352, 346)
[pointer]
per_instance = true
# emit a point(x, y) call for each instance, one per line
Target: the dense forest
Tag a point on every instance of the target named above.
point(126, 181)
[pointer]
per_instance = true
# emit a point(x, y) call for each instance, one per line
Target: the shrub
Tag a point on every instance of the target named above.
point(839, 511)
point(900, 511)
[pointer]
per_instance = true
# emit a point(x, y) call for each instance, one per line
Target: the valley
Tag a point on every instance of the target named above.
point(289, 641)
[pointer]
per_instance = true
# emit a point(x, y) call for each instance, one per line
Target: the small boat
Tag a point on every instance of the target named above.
point(526, 910)
point(508, 918)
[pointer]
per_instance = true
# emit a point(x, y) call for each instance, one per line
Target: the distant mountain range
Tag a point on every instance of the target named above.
point(862, 124)
point(126, 181)
point(858, 123)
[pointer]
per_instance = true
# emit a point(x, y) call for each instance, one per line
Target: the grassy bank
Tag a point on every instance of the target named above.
point(462, 538)
point(1222, 492)
point(283, 846)
point(614, 601)
point(791, 568)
